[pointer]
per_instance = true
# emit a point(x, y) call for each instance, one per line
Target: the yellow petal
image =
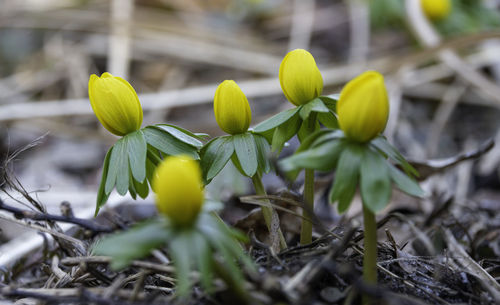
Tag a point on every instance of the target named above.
point(363, 107)
point(231, 108)
point(115, 103)
point(436, 9)
point(300, 78)
point(179, 189)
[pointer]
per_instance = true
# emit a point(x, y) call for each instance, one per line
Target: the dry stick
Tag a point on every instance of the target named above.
point(74, 241)
point(359, 26)
point(270, 217)
point(450, 100)
point(253, 88)
point(119, 38)
point(459, 254)
point(428, 36)
point(302, 24)
point(33, 215)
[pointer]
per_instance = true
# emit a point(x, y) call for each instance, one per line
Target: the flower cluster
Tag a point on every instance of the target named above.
point(337, 132)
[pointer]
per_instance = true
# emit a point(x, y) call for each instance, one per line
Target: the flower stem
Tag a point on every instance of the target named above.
point(269, 215)
point(370, 257)
point(306, 228)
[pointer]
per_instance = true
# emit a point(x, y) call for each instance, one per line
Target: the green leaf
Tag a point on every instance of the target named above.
point(327, 137)
point(330, 101)
point(102, 196)
point(384, 146)
point(346, 176)
point(113, 167)
point(315, 105)
point(328, 119)
point(222, 241)
point(214, 156)
point(285, 132)
point(304, 131)
point(276, 120)
point(246, 151)
point(203, 256)
point(151, 163)
point(131, 188)
point(122, 177)
point(135, 243)
point(181, 248)
point(142, 188)
point(202, 135)
point(321, 158)
point(181, 134)
point(308, 141)
point(168, 144)
point(263, 153)
point(405, 183)
point(118, 171)
point(137, 150)
point(375, 185)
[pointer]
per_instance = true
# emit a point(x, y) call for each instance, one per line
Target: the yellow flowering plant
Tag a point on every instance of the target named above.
point(302, 85)
point(436, 9)
point(188, 227)
point(129, 164)
point(247, 150)
point(361, 156)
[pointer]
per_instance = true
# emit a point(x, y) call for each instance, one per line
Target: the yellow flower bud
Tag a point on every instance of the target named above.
point(436, 9)
point(231, 108)
point(363, 107)
point(115, 103)
point(179, 189)
point(300, 78)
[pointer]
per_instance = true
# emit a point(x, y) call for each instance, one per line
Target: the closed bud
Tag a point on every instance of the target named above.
point(115, 103)
point(231, 108)
point(436, 9)
point(300, 78)
point(179, 189)
point(363, 107)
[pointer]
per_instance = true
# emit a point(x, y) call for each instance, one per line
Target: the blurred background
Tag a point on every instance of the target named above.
point(442, 68)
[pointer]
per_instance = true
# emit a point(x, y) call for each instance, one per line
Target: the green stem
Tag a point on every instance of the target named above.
point(267, 211)
point(370, 257)
point(306, 229)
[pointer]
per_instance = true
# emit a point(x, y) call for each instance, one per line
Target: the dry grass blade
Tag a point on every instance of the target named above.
point(464, 259)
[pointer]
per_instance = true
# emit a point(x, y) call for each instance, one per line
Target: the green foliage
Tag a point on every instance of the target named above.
point(214, 156)
point(130, 162)
point(375, 181)
point(137, 242)
point(467, 16)
point(200, 247)
point(284, 125)
point(347, 175)
point(355, 164)
point(248, 151)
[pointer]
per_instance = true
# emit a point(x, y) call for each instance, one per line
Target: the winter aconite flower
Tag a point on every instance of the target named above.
point(115, 103)
point(436, 9)
point(363, 107)
point(231, 108)
point(179, 189)
point(300, 78)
